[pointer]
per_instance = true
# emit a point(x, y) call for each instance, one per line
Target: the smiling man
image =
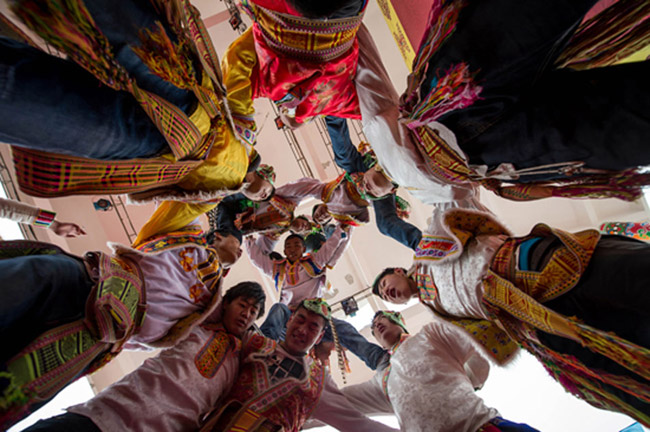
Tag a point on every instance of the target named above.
point(281, 386)
point(552, 293)
point(176, 389)
point(437, 398)
point(300, 276)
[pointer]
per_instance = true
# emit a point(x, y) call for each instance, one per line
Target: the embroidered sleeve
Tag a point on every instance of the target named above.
point(170, 216)
point(238, 66)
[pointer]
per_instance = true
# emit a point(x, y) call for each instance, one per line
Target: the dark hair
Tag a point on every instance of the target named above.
point(313, 209)
point(254, 163)
point(276, 256)
point(249, 290)
point(291, 236)
point(210, 235)
point(386, 271)
point(320, 9)
point(314, 241)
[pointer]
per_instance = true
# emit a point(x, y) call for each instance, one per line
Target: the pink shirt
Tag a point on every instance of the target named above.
point(302, 279)
point(173, 289)
point(170, 392)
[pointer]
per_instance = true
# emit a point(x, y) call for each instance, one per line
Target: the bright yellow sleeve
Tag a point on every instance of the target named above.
point(237, 66)
point(224, 168)
point(170, 216)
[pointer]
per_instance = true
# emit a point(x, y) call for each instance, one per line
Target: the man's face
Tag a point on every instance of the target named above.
point(376, 183)
point(293, 249)
point(395, 287)
point(228, 248)
point(300, 226)
point(304, 330)
point(385, 331)
point(240, 314)
point(321, 215)
point(258, 189)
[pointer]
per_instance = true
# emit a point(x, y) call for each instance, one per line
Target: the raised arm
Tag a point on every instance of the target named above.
point(258, 250)
point(330, 252)
point(301, 189)
point(334, 409)
point(170, 216)
point(393, 142)
point(346, 156)
point(238, 65)
point(24, 213)
point(393, 226)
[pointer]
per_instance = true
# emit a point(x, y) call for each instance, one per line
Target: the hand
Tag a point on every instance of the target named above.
point(288, 120)
point(67, 229)
point(322, 352)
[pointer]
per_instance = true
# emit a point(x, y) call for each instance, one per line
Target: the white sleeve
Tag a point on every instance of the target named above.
point(462, 347)
point(18, 212)
point(335, 410)
point(258, 251)
point(301, 189)
point(368, 397)
point(391, 140)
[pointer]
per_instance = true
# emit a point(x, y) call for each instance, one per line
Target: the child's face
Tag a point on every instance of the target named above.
point(293, 249)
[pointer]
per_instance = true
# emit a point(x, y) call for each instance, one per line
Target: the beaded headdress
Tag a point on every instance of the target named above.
point(266, 172)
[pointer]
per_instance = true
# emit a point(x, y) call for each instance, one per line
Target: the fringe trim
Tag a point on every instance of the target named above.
point(68, 26)
point(167, 60)
point(615, 33)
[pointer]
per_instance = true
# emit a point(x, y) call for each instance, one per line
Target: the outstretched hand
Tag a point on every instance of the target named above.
point(67, 229)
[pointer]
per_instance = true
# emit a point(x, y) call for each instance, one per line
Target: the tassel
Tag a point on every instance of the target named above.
point(455, 90)
point(403, 207)
point(68, 26)
point(167, 60)
point(344, 365)
point(615, 33)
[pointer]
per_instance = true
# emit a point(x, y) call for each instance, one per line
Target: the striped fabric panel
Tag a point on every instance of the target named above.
point(181, 134)
point(43, 174)
point(44, 218)
point(314, 40)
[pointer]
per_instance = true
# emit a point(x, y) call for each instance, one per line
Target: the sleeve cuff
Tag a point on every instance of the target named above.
point(44, 218)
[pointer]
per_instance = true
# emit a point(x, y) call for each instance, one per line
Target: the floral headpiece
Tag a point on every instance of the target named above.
point(318, 306)
point(394, 317)
point(266, 172)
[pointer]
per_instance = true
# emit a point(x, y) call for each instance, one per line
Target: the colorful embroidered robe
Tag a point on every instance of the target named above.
point(513, 300)
point(288, 402)
point(304, 65)
point(206, 161)
point(115, 311)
